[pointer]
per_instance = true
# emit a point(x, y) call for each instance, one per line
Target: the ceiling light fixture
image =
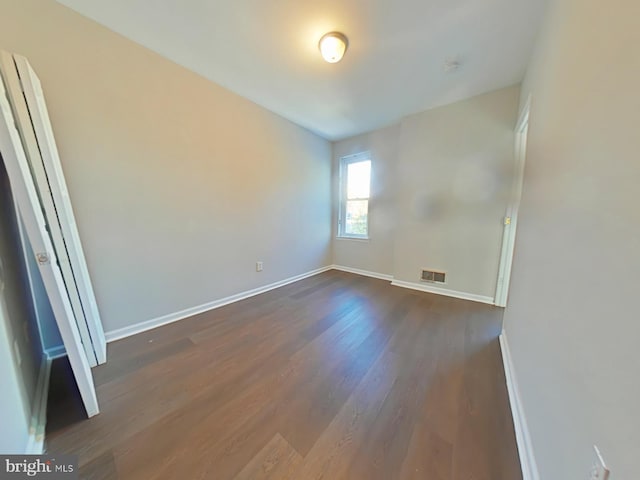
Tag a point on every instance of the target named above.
point(332, 46)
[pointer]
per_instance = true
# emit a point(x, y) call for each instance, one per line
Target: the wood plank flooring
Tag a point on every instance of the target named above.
point(337, 376)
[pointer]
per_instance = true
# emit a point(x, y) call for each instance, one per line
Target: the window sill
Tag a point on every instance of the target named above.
point(357, 239)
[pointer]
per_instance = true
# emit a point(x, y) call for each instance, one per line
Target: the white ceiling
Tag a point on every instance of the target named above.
point(267, 51)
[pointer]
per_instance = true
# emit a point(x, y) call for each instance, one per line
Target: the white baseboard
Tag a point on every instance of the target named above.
point(523, 438)
point(55, 352)
point(124, 332)
point(119, 333)
point(423, 287)
point(366, 273)
point(38, 422)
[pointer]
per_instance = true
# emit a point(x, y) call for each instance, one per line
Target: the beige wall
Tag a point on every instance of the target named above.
point(178, 185)
point(375, 254)
point(572, 319)
point(453, 173)
point(438, 193)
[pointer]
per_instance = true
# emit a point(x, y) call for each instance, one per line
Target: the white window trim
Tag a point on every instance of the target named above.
point(342, 200)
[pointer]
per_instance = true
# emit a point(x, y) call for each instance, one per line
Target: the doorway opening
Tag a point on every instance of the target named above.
point(511, 215)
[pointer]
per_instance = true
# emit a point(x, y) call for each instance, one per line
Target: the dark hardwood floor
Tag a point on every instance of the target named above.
point(334, 377)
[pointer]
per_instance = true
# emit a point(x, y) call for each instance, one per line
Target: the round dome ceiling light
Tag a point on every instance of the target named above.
point(332, 46)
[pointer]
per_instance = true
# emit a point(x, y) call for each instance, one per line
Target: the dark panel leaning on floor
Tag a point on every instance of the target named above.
point(336, 376)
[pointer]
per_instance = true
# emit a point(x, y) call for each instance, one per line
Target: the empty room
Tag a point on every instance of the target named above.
point(319, 240)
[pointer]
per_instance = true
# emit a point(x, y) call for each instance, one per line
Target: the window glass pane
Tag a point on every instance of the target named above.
point(356, 217)
point(358, 177)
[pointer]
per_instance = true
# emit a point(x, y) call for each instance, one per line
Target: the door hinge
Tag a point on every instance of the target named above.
point(507, 220)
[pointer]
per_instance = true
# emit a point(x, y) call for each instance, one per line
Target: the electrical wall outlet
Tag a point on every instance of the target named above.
point(259, 266)
point(599, 470)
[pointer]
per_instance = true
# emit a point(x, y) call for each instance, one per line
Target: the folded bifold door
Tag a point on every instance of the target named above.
point(28, 203)
point(32, 120)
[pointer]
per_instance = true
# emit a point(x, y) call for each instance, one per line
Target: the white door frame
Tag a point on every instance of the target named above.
point(26, 198)
point(511, 215)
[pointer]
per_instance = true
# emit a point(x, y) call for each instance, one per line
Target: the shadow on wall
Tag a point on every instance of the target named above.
point(52, 344)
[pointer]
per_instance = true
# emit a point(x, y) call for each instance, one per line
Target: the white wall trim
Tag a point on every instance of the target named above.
point(424, 287)
point(523, 438)
point(366, 273)
point(124, 332)
point(35, 445)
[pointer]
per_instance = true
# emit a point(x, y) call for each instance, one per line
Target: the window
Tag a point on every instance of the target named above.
point(355, 179)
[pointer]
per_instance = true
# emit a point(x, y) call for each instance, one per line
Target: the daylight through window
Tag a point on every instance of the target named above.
point(355, 179)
